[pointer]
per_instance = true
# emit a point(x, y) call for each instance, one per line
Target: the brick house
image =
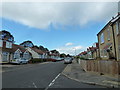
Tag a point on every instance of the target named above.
point(10, 51)
point(108, 39)
point(116, 33)
point(6, 51)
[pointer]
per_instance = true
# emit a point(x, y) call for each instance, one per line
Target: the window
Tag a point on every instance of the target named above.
point(102, 38)
point(101, 53)
point(1, 43)
point(108, 34)
point(8, 44)
point(117, 32)
point(17, 55)
point(105, 53)
point(5, 56)
point(26, 56)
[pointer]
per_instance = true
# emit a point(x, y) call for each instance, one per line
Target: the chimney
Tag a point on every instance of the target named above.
point(118, 13)
point(112, 17)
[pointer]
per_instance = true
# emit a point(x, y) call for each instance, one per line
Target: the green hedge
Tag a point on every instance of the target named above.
point(35, 60)
point(82, 58)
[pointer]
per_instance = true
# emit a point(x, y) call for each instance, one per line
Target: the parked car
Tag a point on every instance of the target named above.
point(59, 59)
point(68, 60)
point(53, 60)
point(19, 61)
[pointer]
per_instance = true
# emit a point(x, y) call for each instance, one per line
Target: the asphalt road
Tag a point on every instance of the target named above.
point(47, 75)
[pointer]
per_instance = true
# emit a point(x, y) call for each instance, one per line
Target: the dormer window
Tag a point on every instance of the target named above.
point(8, 44)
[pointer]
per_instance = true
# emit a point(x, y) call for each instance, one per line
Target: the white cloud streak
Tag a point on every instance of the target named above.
point(59, 0)
point(42, 15)
point(68, 44)
point(72, 50)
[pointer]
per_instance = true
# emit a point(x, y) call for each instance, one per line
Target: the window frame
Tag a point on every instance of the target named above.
point(102, 38)
point(108, 34)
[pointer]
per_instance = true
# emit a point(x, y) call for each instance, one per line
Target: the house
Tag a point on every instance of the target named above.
point(109, 40)
point(10, 51)
point(6, 51)
point(83, 55)
point(116, 35)
point(13, 52)
point(94, 51)
point(19, 52)
point(6, 40)
point(54, 54)
point(91, 53)
point(36, 53)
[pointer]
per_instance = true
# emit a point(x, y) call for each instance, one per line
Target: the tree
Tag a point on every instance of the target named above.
point(46, 49)
point(27, 44)
point(55, 51)
point(5, 35)
point(62, 55)
point(68, 55)
point(35, 46)
point(43, 49)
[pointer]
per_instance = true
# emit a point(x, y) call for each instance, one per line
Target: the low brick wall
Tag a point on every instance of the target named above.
point(101, 66)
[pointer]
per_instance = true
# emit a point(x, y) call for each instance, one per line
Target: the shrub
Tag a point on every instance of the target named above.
point(82, 58)
point(36, 60)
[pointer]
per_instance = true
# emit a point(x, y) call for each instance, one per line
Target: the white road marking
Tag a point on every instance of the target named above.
point(34, 85)
point(53, 81)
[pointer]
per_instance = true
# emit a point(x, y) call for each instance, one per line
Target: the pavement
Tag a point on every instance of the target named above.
point(74, 71)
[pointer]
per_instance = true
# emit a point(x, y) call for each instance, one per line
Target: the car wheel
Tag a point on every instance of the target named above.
point(20, 63)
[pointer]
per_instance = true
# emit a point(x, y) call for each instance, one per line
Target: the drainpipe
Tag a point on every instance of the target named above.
point(114, 41)
point(96, 53)
point(98, 48)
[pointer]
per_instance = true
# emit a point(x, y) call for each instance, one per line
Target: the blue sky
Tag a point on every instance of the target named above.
point(61, 26)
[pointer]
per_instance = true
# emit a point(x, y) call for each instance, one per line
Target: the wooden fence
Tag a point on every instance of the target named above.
point(101, 66)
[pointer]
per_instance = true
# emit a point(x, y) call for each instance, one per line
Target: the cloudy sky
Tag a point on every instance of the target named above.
point(69, 27)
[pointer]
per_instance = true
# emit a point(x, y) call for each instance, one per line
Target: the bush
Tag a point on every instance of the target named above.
point(82, 58)
point(36, 60)
point(44, 60)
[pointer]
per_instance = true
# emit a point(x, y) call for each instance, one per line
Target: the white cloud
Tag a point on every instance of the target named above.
point(68, 44)
point(41, 15)
point(72, 50)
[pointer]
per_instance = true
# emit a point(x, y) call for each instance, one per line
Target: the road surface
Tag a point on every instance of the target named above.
point(44, 75)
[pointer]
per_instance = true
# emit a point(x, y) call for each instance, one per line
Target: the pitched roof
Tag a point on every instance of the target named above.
point(37, 50)
point(110, 22)
point(15, 47)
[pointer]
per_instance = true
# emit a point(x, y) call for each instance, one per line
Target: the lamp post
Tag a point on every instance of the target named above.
point(75, 53)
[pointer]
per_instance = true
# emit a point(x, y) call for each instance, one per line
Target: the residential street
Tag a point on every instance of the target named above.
point(44, 75)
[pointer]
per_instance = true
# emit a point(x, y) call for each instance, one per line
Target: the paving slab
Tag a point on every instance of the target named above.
point(75, 71)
